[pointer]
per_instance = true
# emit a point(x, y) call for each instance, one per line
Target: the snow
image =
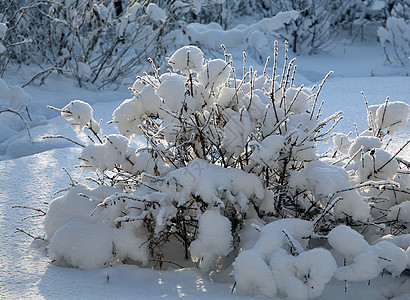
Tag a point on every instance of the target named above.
point(349, 243)
point(396, 33)
point(72, 246)
point(342, 142)
point(172, 90)
point(400, 212)
point(66, 207)
point(402, 241)
point(212, 183)
point(31, 171)
point(215, 74)
point(213, 36)
point(365, 262)
point(329, 182)
point(155, 12)
point(80, 114)
point(363, 144)
point(13, 97)
point(236, 130)
point(187, 58)
point(267, 152)
point(214, 239)
point(377, 165)
point(3, 29)
point(253, 275)
point(391, 116)
point(295, 273)
point(114, 151)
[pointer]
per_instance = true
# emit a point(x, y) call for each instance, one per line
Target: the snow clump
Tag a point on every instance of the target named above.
point(365, 261)
point(13, 97)
point(214, 239)
point(187, 59)
point(389, 116)
point(331, 183)
point(279, 262)
point(156, 13)
point(396, 35)
point(80, 114)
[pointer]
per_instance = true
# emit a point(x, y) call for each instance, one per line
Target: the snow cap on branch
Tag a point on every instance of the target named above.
point(188, 59)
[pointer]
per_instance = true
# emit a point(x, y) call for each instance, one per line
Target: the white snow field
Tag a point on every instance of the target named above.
point(31, 171)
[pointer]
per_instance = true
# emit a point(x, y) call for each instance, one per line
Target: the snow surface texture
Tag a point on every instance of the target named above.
point(36, 278)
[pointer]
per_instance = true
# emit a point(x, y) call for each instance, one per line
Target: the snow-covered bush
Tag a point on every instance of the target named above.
point(14, 114)
point(20, 23)
point(257, 35)
point(315, 27)
point(395, 40)
point(3, 29)
point(309, 26)
point(226, 12)
point(394, 32)
point(92, 40)
point(365, 261)
point(381, 176)
point(230, 175)
point(104, 41)
point(279, 262)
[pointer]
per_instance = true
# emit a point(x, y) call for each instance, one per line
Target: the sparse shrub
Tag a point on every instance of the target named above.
point(394, 32)
point(86, 38)
point(14, 102)
point(395, 40)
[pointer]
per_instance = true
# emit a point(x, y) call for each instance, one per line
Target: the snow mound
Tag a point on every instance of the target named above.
point(13, 97)
point(212, 35)
point(214, 239)
point(365, 261)
point(89, 245)
point(278, 262)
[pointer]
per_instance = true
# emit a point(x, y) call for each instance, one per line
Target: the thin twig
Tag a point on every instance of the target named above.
point(62, 137)
point(29, 234)
point(386, 163)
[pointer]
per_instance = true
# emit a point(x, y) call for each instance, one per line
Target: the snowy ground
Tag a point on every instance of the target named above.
point(31, 171)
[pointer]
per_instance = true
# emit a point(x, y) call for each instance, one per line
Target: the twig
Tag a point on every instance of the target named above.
point(42, 212)
point(49, 71)
point(318, 92)
point(29, 234)
point(6, 109)
point(401, 149)
point(62, 137)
